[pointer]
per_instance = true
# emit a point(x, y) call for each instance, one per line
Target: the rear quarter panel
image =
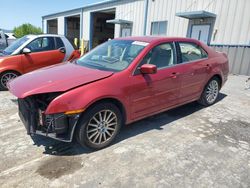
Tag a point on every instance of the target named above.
point(218, 62)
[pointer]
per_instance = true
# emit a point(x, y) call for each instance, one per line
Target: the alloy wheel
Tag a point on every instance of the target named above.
point(102, 126)
point(212, 91)
point(7, 77)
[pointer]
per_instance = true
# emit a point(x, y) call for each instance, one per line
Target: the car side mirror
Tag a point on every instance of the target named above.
point(26, 51)
point(148, 69)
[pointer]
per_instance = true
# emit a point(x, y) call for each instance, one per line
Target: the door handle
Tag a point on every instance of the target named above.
point(208, 66)
point(62, 50)
point(174, 74)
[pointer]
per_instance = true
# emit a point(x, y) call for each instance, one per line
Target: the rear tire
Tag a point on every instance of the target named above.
point(5, 77)
point(99, 126)
point(210, 93)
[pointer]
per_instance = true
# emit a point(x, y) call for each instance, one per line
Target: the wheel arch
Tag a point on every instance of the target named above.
point(11, 70)
point(219, 77)
point(114, 101)
point(3, 86)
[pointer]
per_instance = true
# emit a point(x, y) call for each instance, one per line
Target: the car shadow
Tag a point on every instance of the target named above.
point(159, 121)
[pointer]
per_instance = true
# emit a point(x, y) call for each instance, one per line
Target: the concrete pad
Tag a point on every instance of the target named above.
point(189, 146)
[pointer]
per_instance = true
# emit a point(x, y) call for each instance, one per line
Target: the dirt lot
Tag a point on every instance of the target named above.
point(189, 146)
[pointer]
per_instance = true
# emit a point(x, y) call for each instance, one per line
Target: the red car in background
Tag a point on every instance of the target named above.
point(119, 82)
point(32, 52)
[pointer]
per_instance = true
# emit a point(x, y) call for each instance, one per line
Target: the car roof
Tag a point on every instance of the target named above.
point(45, 35)
point(152, 39)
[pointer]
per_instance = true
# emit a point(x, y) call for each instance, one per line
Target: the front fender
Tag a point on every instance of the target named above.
point(83, 97)
point(11, 63)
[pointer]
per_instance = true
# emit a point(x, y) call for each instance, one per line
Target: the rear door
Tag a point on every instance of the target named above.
point(44, 52)
point(154, 92)
point(195, 68)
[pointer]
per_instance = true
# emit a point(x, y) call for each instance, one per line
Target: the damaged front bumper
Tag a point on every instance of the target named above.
point(57, 126)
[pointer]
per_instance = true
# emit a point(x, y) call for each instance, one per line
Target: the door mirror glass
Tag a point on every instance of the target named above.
point(26, 51)
point(148, 69)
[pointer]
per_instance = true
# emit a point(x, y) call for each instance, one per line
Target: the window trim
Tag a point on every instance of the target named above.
point(180, 61)
point(137, 69)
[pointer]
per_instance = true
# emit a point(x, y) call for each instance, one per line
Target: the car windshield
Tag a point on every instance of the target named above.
point(114, 55)
point(15, 45)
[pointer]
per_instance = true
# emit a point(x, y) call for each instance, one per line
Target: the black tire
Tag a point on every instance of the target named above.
point(83, 133)
point(4, 79)
point(204, 99)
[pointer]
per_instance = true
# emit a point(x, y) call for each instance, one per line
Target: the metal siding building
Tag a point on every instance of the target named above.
point(223, 24)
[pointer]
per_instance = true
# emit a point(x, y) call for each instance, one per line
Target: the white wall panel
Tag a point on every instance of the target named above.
point(61, 25)
point(232, 21)
point(44, 26)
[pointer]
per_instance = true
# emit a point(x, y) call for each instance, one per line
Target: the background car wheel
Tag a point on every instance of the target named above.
point(99, 126)
point(210, 93)
point(5, 77)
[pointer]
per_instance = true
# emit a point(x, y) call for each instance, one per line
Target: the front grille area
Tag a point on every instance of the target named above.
point(28, 114)
point(57, 126)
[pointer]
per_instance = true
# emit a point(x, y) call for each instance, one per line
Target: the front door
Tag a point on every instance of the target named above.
point(153, 92)
point(43, 53)
point(200, 32)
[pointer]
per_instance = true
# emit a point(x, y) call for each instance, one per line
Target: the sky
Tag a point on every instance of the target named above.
point(16, 12)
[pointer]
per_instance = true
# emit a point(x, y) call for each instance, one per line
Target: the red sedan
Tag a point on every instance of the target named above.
point(119, 82)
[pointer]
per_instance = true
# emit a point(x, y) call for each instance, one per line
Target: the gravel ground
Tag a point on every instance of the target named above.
point(189, 146)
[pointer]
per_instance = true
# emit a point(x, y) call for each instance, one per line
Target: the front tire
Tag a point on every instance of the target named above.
point(99, 126)
point(5, 77)
point(210, 93)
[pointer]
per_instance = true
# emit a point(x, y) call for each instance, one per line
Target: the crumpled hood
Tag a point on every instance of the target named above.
point(57, 78)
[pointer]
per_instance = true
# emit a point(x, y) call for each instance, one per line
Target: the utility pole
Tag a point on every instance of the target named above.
point(145, 17)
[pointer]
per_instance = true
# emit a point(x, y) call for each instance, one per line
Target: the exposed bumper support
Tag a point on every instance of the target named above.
point(57, 126)
point(67, 137)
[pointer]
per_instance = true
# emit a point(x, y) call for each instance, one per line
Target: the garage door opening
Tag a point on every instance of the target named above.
point(101, 30)
point(52, 26)
point(72, 28)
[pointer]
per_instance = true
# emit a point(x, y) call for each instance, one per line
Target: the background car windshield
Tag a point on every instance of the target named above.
point(15, 45)
point(114, 55)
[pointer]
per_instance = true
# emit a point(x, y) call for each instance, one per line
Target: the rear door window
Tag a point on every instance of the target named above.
point(191, 52)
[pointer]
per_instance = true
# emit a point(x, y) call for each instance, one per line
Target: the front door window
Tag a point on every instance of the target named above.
point(42, 44)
